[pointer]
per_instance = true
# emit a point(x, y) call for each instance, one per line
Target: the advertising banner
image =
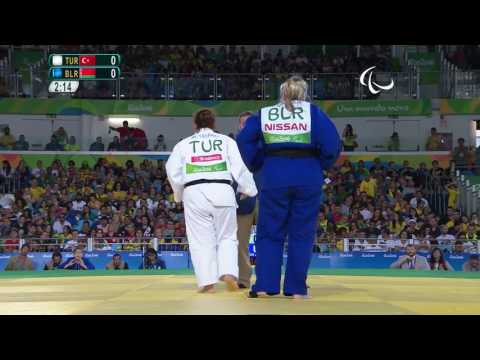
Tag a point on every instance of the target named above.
point(373, 108)
point(334, 108)
point(100, 259)
point(181, 259)
point(120, 158)
point(460, 106)
point(372, 260)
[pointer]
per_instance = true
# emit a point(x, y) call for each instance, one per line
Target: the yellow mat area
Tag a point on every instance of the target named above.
point(176, 294)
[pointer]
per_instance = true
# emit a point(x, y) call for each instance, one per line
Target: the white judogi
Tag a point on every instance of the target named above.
point(210, 209)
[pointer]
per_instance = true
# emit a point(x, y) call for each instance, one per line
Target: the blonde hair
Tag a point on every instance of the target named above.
point(295, 88)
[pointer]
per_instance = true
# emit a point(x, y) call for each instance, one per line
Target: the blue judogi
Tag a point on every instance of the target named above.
point(291, 192)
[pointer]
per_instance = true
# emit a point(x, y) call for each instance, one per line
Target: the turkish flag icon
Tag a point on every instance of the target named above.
point(88, 60)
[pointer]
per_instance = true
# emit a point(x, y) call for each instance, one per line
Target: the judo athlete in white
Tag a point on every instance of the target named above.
point(200, 170)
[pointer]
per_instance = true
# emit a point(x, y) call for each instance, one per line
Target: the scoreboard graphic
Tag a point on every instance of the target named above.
point(67, 70)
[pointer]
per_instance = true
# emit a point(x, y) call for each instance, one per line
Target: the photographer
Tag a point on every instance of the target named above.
point(21, 262)
point(77, 262)
point(55, 262)
point(152, 261)
point(117, 263)
point(411, 260)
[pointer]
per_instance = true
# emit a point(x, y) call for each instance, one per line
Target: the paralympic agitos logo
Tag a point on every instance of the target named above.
point(373, 87)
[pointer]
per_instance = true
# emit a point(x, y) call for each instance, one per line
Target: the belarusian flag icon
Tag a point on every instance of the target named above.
point(88, 73)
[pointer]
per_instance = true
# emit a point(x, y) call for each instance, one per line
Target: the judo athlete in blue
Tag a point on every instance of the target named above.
point(292, 143)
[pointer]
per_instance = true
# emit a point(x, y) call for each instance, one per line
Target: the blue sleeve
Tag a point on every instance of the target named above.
point(250, 144)
point(326, 138)
point(245, 206)
point(62, 265)
point(87, 262)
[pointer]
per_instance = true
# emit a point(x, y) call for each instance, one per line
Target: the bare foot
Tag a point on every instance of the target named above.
point(209, 289)
point(231, 282)
point(259, 294)
point(301, 297)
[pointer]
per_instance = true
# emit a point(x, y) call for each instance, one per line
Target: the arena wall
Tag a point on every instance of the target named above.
point(412, 130)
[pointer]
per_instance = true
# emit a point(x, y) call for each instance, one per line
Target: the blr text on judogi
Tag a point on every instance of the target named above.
point(292, 143)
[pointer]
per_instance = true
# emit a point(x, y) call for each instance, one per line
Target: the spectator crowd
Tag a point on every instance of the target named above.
point(187, 59)
point(466, 57)
point(239, 70)
point(380, 207)
point(388, 206)
point(129, 139)
point(465, 157)
point(191, 69)
point(376, 207)
point(58, 207)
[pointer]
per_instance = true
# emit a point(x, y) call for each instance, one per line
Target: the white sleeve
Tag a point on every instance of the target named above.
point(174, 168)
point(240, 173)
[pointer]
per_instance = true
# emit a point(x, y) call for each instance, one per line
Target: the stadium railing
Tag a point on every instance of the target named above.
point(468, 185)
point(455, 82)
point(216, 86)
point(321, 245)
point(117, 243)
point(10, 184)
point(394, 244)
point(449, 81)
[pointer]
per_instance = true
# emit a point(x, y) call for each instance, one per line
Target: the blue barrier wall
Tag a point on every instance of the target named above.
point(173, 259)
point(372, 260)
point(181, 259)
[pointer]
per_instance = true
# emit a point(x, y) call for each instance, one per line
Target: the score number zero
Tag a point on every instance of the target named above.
point(70, 73)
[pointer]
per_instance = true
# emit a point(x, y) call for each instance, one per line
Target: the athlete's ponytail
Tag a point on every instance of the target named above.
point(295, 88)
